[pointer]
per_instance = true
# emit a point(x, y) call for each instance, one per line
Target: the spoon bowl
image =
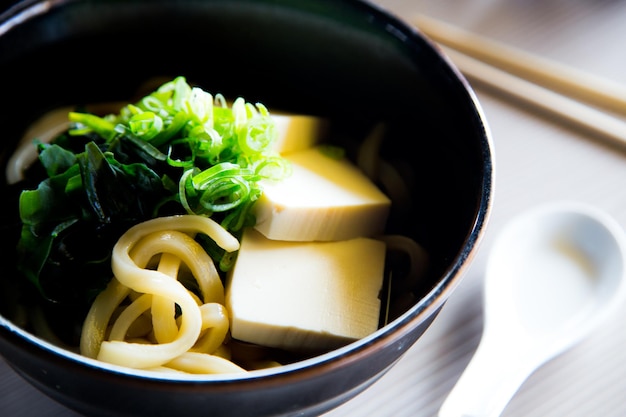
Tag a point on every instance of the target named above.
point(555, 273)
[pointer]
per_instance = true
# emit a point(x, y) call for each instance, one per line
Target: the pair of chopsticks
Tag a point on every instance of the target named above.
point(575, 97)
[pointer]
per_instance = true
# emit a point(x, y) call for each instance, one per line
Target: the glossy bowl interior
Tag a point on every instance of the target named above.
point(347, 61)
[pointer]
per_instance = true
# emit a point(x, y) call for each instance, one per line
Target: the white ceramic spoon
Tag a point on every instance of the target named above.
point(554, 274)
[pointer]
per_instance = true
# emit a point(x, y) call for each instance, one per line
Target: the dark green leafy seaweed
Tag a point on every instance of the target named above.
point(178, 150)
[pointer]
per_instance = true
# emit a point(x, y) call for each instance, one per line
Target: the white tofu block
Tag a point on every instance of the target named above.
point(305, 296)
point(324, 199)
point(297, 132)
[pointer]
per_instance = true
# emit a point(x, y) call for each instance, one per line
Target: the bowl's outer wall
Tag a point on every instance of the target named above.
point(344, 60)
point(99, 394)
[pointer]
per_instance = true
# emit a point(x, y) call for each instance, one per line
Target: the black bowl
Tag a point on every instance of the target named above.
point(345, 60)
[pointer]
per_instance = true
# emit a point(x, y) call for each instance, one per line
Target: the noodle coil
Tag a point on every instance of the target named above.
point(189, 343)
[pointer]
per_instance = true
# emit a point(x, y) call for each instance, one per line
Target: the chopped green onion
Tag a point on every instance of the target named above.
point(179, 149)
point(146, 125)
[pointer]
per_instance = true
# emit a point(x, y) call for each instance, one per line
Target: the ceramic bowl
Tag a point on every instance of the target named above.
point(345, 60)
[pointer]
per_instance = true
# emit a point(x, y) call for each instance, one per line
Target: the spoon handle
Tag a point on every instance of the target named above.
point(490, 380)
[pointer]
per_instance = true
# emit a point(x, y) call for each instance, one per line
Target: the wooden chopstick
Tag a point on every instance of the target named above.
point(589, 119)
point(549, 86)
point(553, 75)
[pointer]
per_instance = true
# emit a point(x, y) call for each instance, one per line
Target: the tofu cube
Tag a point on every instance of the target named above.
point(305, 296)
point(325, 199)
point(298, 132)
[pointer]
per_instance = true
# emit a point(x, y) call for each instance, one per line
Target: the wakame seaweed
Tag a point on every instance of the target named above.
point(179, 150)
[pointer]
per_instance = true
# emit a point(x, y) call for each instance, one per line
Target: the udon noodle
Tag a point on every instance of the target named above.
point(192, 342)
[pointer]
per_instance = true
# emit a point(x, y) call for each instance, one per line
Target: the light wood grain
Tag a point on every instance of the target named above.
point(553, 75)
